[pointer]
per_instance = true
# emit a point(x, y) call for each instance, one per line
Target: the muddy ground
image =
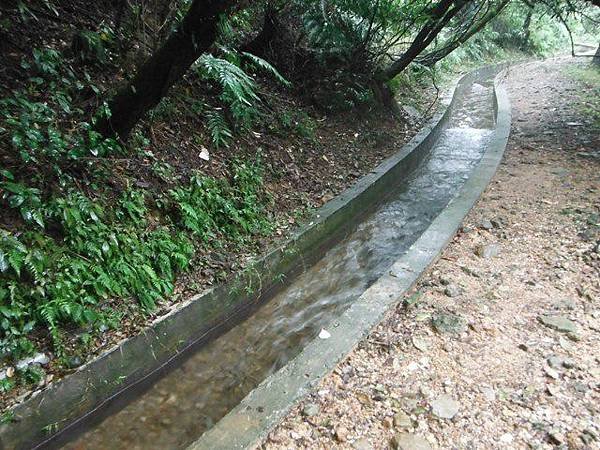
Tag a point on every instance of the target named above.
point(502, 347)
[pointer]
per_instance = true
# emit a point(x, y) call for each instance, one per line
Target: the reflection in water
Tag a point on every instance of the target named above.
point(186, 402)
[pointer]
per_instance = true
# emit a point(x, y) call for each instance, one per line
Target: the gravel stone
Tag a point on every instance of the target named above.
point(558, 323)
point(310, 409)
point(402, 420)
point(409, 441)
point(448, 323)
point(445, 407)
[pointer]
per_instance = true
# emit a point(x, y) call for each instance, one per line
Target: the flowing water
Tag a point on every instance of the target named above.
point(179, 407)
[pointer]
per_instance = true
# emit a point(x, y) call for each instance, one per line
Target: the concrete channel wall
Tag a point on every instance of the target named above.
point(110, 380)
point(250, 422)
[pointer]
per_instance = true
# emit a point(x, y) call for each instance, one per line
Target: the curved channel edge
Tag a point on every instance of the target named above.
point(250, 422)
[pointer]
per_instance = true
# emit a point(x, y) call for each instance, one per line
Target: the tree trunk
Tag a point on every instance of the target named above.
point(385, 96)
point(194, 36)
point(440, 15)
point(527, 27)
point(260, 45)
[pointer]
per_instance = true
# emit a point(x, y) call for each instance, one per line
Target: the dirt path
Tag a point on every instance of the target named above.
point(469, 364)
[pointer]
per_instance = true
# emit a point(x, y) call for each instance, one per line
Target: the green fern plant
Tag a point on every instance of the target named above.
point(238, 91)
point(220, 132)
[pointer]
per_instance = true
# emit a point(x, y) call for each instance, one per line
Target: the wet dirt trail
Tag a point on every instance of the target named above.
point(500, 347)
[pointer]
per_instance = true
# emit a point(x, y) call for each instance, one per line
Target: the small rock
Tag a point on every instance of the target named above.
point(564, 344)
point(558, 323)
point(444, 280)
point(565, 304)
point(413, 366)
point(310, 410)
point(341, 433)
point(588, 436)
point(486, 224)
point(74, 362)
point(452, 290)
point(388, 423)
point(445, 407)
point(448, 323)
point(552, 373)
point(472, 272)
point(523, 347)
point(556, 437)
point(497, 223)
point(488, 393)
point(487, 251)
point(402, 420)
point(556, 362)
point(362, 444)
point(412, 300)
point(420, 343)
point(412, 112)
point(580, 387)
point(295, 436)
point(506, 438)
point(553, 390)
point(327, 197)
point(422, 316)
point(568, 363)
point(38, 358)
point(573, 336)
point(409, 441)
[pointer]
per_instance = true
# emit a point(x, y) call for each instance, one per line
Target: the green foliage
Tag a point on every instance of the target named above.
point(7, 417)
point(35, 128)
point(26, 199)
point(94, 47)
point(299, 123)
point(102, 254)
point(239, 91)
point(69, 252)
point(235, 208)
point(219, 130)
point(266, 67)
point(164, 171)
point(31, 374)
point(589, 96)
point(6, 384)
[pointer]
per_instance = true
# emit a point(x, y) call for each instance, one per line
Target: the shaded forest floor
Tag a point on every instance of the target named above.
point(520, 368)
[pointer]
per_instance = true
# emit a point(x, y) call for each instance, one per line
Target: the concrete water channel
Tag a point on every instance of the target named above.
point(192, 397)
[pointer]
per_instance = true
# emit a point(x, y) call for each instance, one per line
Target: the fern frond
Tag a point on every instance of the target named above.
point(220, 133)
point(267, 67)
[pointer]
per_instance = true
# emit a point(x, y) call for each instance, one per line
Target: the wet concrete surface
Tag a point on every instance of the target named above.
point(191, 398)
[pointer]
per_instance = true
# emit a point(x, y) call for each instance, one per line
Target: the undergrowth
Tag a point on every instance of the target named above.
point(71, 243)
point(589, 77)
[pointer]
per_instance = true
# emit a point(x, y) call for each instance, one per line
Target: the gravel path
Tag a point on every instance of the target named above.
point(499, 345)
